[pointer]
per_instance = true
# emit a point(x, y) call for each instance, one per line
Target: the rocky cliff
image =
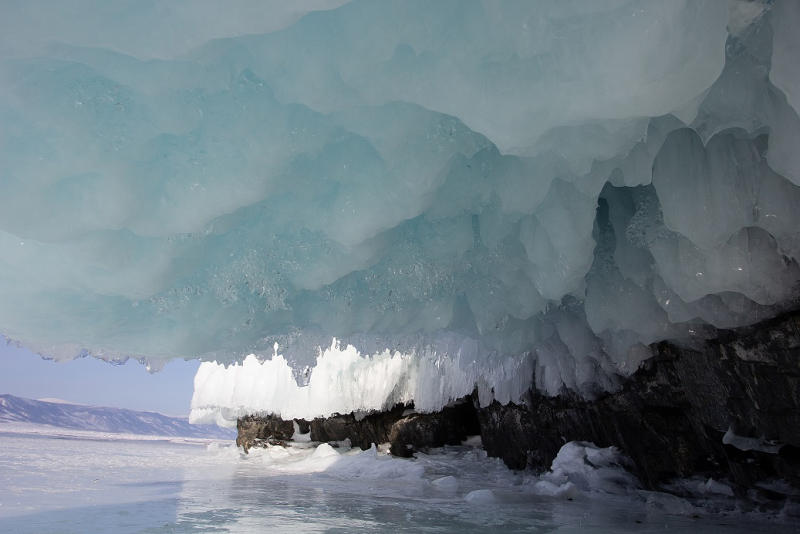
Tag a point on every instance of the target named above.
point(674, 416)
point(729, 410)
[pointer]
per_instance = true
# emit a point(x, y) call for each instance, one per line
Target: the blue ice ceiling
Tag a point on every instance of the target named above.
point(568, 180)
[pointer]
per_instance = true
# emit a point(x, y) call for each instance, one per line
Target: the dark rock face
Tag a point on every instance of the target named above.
point(256, 430)
point(669, 418)
point(451, 426)
point(374, 428)
point(406, 434)
point(672, 414)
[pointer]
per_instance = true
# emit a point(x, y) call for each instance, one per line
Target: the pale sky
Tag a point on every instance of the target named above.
point(92, 381)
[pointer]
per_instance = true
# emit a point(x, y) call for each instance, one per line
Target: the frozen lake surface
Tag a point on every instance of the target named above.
point(69, 481)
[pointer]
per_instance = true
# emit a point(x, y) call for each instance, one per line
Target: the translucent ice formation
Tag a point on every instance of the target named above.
point(554, 183)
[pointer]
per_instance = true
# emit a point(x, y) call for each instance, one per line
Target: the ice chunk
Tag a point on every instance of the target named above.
point(590, 468)
point(323, 451)
point(750, 444)
point(712, 486)
point(670, 504)
point(448, 483)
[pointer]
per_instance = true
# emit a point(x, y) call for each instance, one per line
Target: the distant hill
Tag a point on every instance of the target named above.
point(103, 419)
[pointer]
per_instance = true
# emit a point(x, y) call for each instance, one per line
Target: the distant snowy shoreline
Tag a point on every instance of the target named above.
point(26, 416)
point(50, 431)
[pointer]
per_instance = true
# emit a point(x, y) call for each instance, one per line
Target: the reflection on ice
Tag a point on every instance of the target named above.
point(79, 485)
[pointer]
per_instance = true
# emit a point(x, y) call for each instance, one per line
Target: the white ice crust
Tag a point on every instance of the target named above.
point(343, 381)
point(553, 185)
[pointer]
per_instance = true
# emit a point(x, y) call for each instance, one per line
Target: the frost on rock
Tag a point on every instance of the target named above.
point(470, 194)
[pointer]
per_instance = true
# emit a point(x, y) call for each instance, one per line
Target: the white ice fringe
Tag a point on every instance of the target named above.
point(345, 381)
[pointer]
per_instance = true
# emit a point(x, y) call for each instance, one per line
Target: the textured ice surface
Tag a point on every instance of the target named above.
point(107, 484)
point(556, 182)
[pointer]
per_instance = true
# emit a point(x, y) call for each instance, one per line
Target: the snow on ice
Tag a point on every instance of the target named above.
point(108, 483)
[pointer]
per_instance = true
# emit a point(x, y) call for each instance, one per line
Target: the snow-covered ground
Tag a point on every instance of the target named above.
point(104, 482)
